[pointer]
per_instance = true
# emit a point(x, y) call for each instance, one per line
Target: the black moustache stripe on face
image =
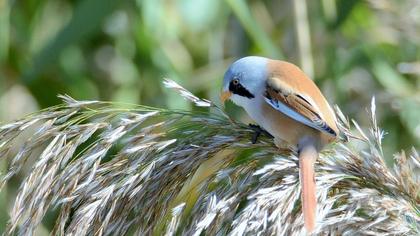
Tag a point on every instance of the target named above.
point(240, 90)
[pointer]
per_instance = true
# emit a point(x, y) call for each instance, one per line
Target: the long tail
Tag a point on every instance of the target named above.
point(307, 156)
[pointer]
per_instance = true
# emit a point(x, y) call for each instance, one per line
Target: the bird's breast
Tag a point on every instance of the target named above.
point(278, 124)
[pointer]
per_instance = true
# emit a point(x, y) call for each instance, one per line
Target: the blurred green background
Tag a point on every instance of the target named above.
point(121, 51)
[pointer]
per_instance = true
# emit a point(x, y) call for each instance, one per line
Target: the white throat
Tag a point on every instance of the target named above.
point(251, 106)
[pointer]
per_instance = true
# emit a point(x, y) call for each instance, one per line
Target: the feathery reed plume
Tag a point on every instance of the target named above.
point(110, 171)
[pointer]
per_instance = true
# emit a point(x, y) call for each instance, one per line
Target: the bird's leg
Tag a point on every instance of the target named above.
point(257, 132)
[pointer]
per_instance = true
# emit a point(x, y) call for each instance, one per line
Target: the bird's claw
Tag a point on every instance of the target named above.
point(257, 132)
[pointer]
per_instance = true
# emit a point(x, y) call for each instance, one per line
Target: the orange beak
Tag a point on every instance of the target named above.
point(225, 96)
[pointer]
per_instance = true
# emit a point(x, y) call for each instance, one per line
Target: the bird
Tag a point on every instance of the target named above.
point(287, 104)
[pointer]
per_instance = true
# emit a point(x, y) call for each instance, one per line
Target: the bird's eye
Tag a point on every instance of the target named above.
point(235, 82)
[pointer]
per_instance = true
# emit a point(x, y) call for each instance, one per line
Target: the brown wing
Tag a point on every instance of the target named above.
point(283, 98)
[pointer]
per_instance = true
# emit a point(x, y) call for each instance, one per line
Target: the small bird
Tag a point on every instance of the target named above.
point(281, 99)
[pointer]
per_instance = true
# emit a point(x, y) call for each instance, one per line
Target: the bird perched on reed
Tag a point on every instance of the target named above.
point(289, 106)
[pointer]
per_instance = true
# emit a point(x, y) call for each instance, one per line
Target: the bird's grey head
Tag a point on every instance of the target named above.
point(244, 79)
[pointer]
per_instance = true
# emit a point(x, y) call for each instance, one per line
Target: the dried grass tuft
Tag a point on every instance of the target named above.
point(110, 171)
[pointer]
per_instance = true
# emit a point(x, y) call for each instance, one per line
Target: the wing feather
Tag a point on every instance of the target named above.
point(296, 106)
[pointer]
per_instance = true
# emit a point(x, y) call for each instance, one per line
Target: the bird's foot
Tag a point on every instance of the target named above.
point(257, 132)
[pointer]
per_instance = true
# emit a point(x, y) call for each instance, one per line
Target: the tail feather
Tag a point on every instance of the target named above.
point(307, 156)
